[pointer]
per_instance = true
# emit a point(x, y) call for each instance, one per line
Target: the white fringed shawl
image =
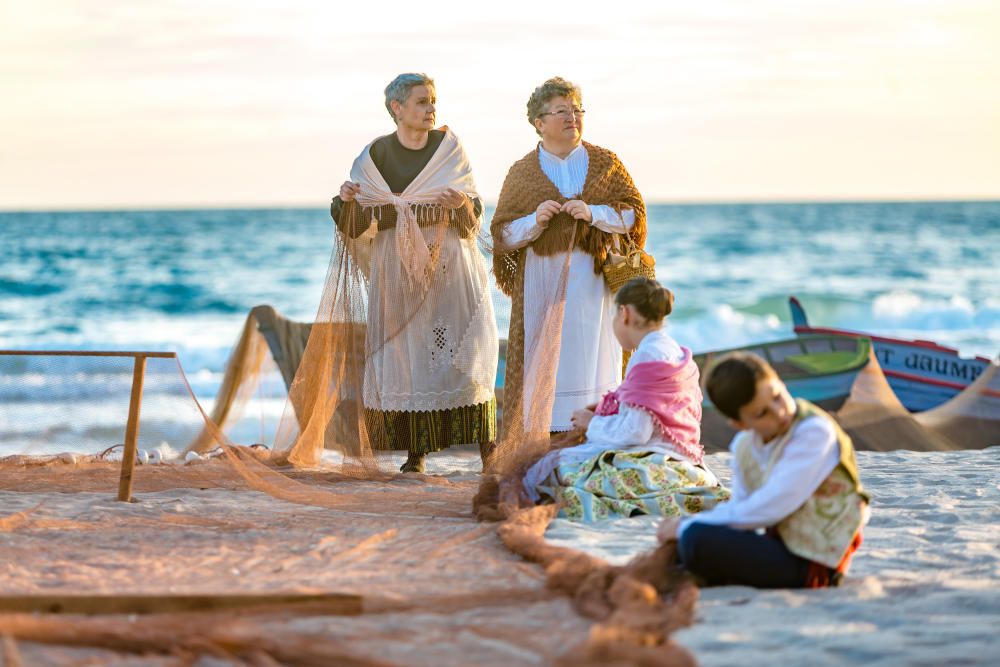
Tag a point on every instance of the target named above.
point(448, 168)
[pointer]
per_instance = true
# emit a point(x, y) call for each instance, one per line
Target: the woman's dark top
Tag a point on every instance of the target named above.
point(399, 165)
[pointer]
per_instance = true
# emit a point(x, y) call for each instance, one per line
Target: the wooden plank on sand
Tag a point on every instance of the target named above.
point(87, 353)
point(338, 604)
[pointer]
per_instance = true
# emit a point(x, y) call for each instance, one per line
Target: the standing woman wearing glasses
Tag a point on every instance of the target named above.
point(552, 229)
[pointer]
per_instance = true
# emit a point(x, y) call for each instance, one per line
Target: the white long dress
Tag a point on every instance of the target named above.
point(444, 355)
point(590, 359)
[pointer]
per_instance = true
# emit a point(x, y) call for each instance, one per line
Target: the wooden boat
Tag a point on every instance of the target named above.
point(922, 373)
point(820, 369)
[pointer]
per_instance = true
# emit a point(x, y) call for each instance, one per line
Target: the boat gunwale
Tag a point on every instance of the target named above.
point(923, 344)
point(861, 358)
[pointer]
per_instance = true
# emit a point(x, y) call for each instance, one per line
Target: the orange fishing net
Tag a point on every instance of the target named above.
point(259, 532)
point(322, 509)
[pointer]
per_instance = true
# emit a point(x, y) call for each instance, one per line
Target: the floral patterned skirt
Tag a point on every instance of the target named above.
point(621, 484)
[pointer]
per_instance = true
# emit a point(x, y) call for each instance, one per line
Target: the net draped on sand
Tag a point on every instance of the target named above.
point(407, 546)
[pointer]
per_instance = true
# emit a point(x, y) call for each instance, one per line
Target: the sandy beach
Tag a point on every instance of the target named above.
point(256, 258)
point(440, 589)
point(923, 590)
point(463, 598)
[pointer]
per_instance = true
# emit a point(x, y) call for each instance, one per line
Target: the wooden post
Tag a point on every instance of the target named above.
point(132, 430)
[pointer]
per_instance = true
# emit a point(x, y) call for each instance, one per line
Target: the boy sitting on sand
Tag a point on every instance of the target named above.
point(794, 474)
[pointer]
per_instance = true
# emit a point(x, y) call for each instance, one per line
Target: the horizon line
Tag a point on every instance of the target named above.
point(274, 206)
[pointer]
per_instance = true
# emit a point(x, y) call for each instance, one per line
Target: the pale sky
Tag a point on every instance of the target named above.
point(115, 103)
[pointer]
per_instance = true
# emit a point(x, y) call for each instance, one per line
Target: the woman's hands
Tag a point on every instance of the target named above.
point(451, 199)
point(349, 190)
point(576, 208)
point(546, 211)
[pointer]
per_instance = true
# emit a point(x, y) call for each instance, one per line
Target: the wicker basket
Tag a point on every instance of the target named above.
point(619, 269)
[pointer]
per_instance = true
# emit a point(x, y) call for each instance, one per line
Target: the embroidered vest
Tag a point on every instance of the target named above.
point(824, 527)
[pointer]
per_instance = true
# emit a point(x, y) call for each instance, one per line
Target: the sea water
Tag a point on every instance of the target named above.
point(184, 280)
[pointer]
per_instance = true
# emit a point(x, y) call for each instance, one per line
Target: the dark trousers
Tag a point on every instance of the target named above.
point(723, 556)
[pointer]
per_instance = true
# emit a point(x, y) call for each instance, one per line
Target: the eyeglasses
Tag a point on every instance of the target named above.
point(564, 113)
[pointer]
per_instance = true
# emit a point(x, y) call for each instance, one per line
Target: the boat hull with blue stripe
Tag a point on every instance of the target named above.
point(922, 374)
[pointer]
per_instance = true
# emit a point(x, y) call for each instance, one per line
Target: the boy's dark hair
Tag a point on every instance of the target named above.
point(650, 298)
point(732, 381)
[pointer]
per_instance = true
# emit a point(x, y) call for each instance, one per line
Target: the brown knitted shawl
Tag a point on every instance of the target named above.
point(527, 186)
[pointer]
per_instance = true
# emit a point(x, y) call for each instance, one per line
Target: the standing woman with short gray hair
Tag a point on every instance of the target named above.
point(431, 336)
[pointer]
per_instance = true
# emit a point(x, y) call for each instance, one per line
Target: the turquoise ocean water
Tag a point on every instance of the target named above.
point(184, 280)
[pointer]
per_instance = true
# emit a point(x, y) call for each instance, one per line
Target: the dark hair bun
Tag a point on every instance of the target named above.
point(662, 301)
point(650, 298)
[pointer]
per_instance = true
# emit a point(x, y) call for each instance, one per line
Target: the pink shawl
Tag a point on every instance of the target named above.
point(670, 393)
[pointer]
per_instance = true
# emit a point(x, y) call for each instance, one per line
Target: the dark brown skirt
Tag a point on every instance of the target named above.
point(432, 431)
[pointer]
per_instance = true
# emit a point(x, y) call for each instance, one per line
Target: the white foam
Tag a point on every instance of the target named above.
point(724, 327)
point(911, 311)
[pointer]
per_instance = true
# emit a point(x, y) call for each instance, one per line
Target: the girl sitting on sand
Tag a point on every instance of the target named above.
point(642, 453)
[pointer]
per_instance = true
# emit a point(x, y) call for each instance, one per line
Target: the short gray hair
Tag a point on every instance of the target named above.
point(399, 88)
point(551, 89)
